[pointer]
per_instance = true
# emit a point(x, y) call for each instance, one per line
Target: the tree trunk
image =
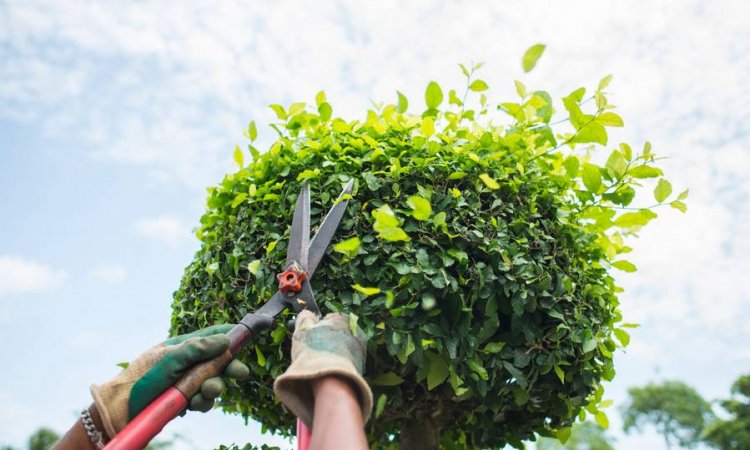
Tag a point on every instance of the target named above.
point(420, 434)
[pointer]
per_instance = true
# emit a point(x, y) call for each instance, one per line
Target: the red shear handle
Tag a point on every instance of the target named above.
point(304, 436)
point(139, 431)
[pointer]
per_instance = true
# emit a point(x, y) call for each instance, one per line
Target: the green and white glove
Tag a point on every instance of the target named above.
point(122, 398)
point(319, 349)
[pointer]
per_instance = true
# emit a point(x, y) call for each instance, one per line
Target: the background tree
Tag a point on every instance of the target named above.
point(733, 433)
point(677, 411)
point(583, 436)
point(476, 254)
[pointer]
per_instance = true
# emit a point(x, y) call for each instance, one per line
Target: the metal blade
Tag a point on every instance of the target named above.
point(328, 227)
point(300, 240)
point(273, 306)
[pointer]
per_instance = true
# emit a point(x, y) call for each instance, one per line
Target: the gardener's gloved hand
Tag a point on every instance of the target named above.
point(122, 398)
point(323, 348)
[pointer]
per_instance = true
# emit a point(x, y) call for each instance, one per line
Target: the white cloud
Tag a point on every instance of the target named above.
point(112, 273)
point(19, 275)
point(170, 230)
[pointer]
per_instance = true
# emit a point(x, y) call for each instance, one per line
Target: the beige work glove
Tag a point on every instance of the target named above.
point(322, 348)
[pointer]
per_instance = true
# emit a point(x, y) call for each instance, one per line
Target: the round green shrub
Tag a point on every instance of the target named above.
point(475, 256)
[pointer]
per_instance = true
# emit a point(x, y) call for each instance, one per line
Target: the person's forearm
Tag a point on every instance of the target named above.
point(338, 417)
point(76, 438)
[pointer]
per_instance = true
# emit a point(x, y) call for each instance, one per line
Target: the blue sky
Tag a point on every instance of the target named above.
point(115, 117)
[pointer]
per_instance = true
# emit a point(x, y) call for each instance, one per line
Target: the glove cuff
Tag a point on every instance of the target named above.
point(294, 387)
point(105, 395)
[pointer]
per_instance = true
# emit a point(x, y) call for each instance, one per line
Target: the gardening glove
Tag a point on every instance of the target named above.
point(321, 348)
point(122, 398)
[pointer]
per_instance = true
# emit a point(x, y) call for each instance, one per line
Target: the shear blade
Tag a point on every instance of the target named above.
point(299, 242)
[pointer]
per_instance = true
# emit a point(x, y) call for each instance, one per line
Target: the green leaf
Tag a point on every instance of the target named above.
point(380, 405)
point(260, 357)
point(494, 347)
point(571, 165)
point(387, 225)
point(279, 110)
point(437, 370)
point(622, 336)
point(349, 247)
point(602, 419)
point(212, 268)
point(634, 219)
point(253, 266)
point(610, 119)
point(590, 345)
point(489, 181)
point(679, 205)
point(271, 245)
point(388, 379)
point(307, 174)
point(625, 266)
point(403, 103)
point(531, 56)
point(239, 199)
point(320, 98)
point(617, 163)
point(428, 126)
point(590, 132)
point(683, 195)
point(123, 365)
point(563, 434)
point(645, 171)
point(592, 178)
point(662, 190)
point(520, 88)
point(478, 86)
point(353, 327)
point(252, 131)
point(560, 374)
point(420, 207)
point(604, 83)
point(433, 96)
point(238, 156)
point(325, 111)
point(366, 291)
point(476, 365)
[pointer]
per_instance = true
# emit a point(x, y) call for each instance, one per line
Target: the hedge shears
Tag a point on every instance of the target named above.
point(294, 292)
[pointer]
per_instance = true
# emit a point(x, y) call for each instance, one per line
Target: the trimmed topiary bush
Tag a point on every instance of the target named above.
point(477, 257)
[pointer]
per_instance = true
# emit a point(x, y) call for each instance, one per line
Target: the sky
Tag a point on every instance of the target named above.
point(115, 117)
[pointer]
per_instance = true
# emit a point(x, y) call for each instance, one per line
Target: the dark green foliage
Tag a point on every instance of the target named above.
point(480, 268)
point(677, 411)
point(584, 436)
point(734, 432)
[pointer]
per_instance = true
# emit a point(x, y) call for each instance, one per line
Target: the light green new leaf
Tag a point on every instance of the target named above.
point(604, 83)
point(634, 219)
point(354, 323)
point(387, 225)
point(602, 419)
point(261, 358)
point(610, 119)
point(645, 171)
point(590, 132)
point(348, 247)
point(679, 205)
point(366, 291)
point(590, 345)
point(239, 199)
point(489, 181)
point(239, 158)
point(520, 88)
point(403, 103)
point(428, 126)
point(433, 96)
point(592, 178)
point(279, 110)
point(622, 336)
point(320, 98)
point(421, 209)
point(388, 379)
point(476, 365)
point(494, 347)
point(252, 131)
point(683, 195)
point(662, 190)
point(253, 266)
point(307, 174)
point(531, 56)
point(271, 245)
point(617, 163)
point(478, 86)
point(625, 266)
point(326, 111)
